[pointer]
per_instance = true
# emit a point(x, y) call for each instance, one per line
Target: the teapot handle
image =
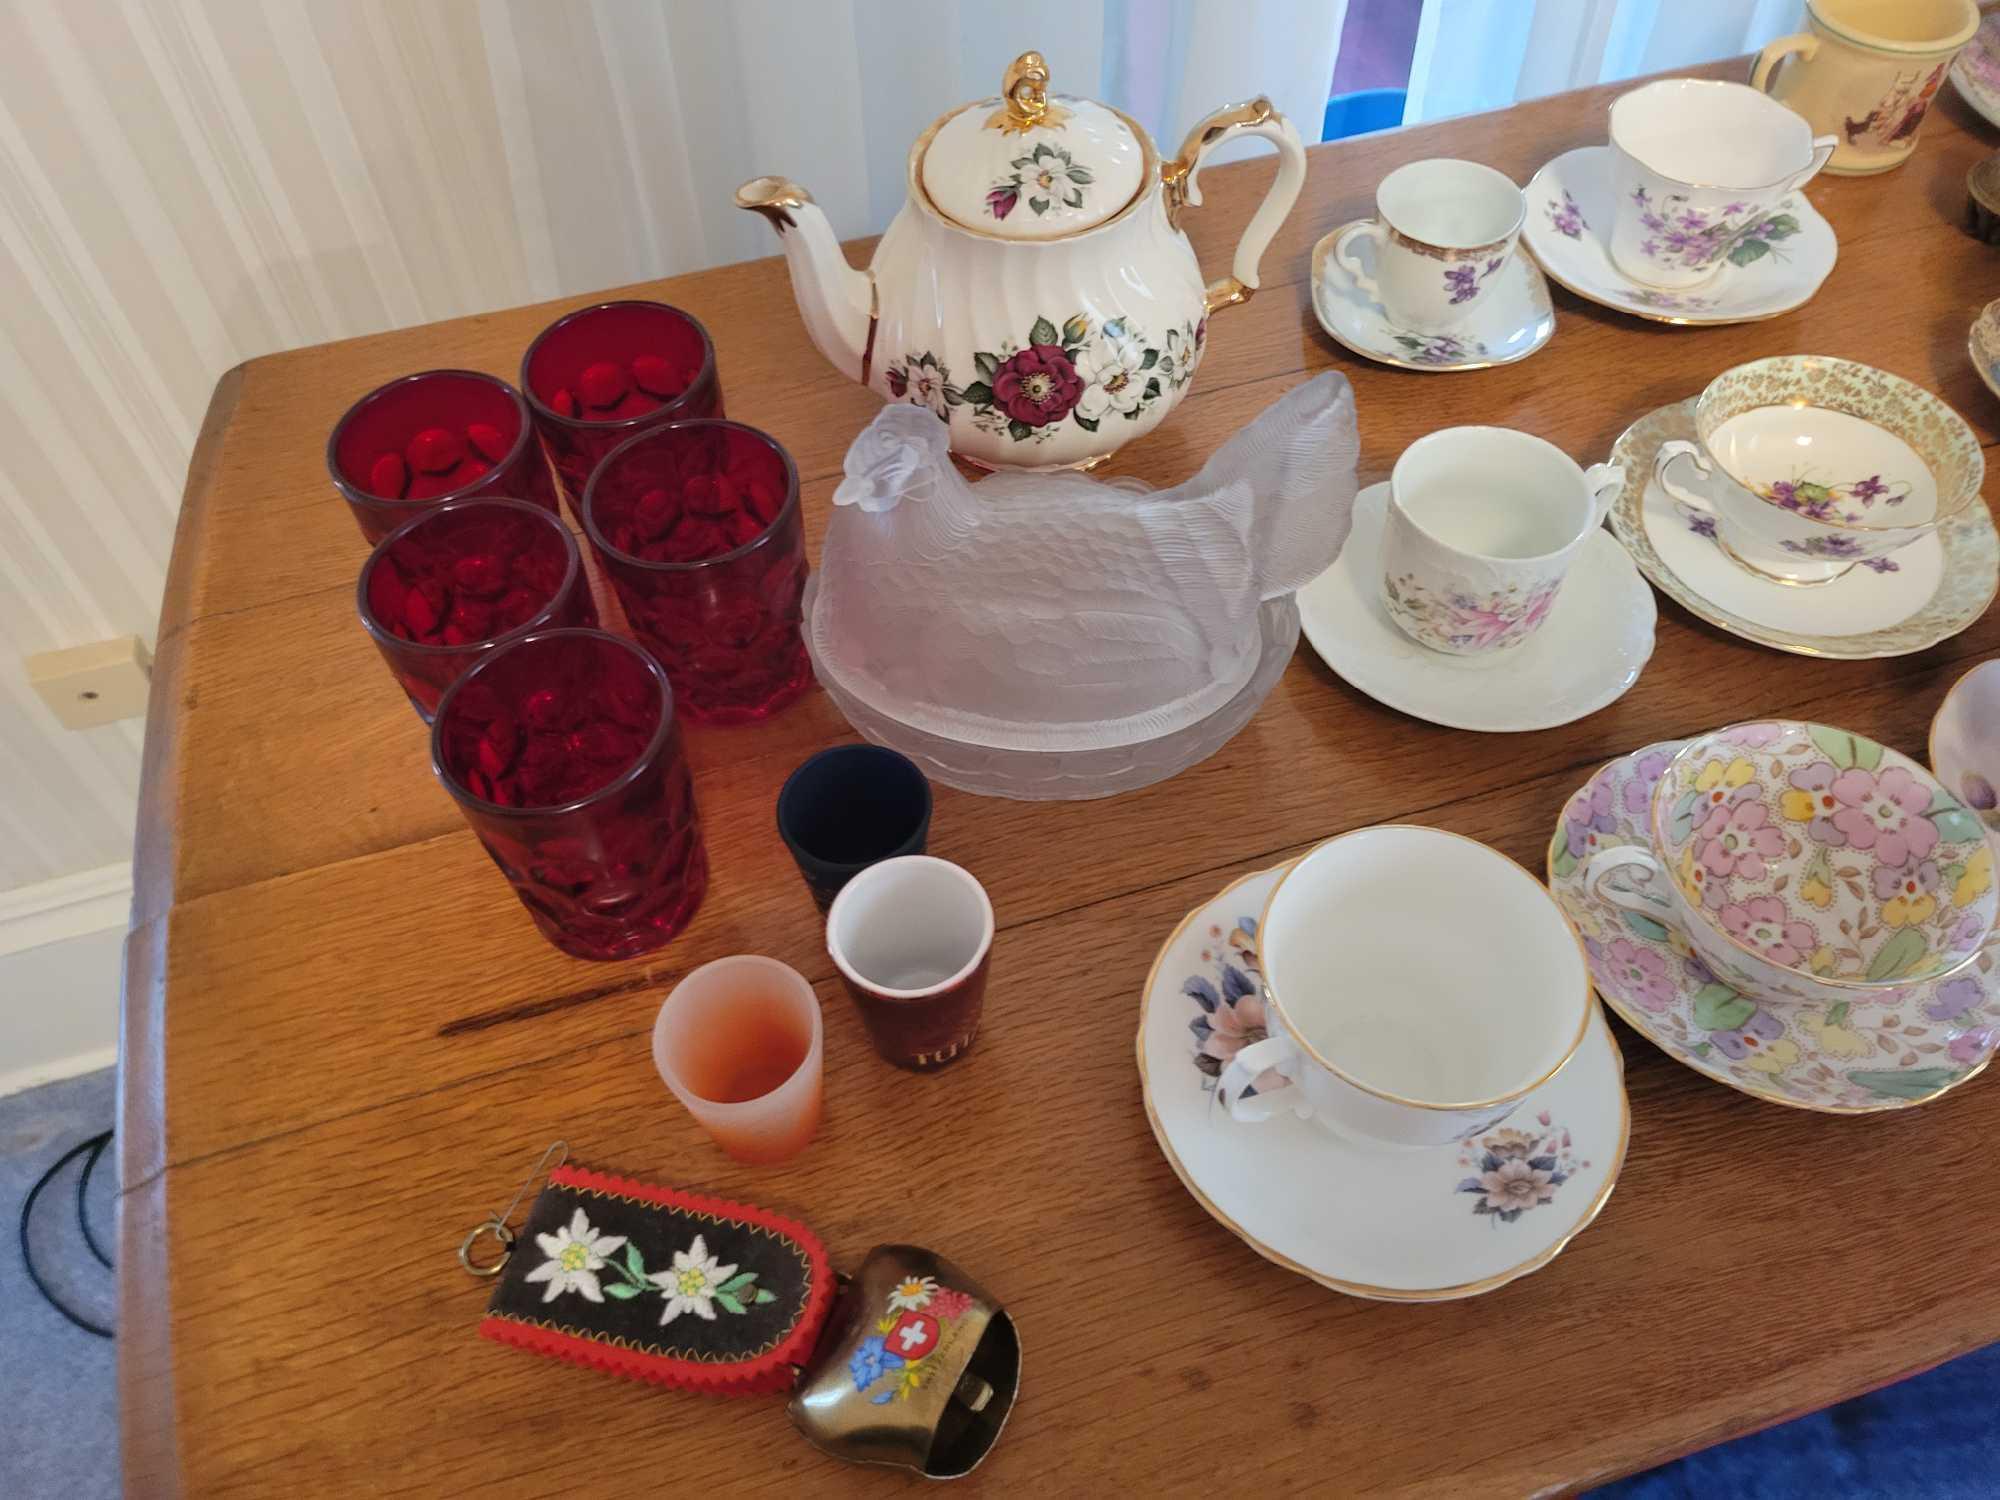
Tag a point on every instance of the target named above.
point(1258, 118)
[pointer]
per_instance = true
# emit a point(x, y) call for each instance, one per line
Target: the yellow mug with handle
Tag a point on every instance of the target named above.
point(1865, 72)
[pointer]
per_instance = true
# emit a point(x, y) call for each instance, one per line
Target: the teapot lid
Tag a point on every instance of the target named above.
point(1032, 165)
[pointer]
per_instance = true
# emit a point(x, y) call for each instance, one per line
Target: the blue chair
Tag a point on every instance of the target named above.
point(1362, 111)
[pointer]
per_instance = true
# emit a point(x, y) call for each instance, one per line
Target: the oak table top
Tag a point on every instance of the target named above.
point(344, 1042)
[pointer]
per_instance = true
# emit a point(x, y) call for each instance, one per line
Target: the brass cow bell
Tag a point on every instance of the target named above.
point(917, 1368)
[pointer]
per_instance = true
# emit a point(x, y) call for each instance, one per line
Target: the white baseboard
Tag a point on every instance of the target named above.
point(62, 951)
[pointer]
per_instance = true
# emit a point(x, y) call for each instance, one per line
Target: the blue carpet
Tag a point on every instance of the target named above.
point(1931, 1436)
point(58, 1384)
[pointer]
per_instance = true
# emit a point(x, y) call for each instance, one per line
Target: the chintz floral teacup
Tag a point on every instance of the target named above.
point(1699, 170)
point(1810, 466)
point(1483, 525)
point(1803, 862)
point(1442, 231)
point(1417, 986)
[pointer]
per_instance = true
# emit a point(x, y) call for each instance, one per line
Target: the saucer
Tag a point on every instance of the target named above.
point(1510, 323)
point(1591, 649)
point(1851, 1058)
point(1569, 212)
point(1923, 594)
point(1983, 344)
point(1396, 1223)
point(1975, 72)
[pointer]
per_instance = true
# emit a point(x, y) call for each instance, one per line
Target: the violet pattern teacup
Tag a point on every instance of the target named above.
point(1810, 466)
point(1698, 169)
point(1805, 862)
point(1483, 525)
point(1443, 232)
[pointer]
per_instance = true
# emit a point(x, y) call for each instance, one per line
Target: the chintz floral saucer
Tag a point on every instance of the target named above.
point(1396, 1223)
point(1592, 647)
point(1774, 268)
point(1975, 72)
point(1891, 606)
point(1511, 322)
point(1849, 1058)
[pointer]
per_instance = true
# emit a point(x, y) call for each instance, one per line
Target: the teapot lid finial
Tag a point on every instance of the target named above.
point(1025, 89)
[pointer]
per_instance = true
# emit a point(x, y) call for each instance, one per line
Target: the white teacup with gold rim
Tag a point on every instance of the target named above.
point(1443, 232)
point(1417, 986)
point(1810, 466)
point(1803, 862)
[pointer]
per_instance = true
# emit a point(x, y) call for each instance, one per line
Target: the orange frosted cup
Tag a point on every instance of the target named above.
point(739, 1042)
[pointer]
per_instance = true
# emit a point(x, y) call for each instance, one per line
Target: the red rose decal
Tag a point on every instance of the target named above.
point(1037, 386)
point(1000, 202)
point(899, 382)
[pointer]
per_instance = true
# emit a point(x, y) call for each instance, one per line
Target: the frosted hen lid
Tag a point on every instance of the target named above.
point(1031, 165)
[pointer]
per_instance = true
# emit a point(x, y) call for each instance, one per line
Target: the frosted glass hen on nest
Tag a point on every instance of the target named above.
point(1052, 615)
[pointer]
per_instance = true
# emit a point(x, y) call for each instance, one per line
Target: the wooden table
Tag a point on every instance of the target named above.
point(344, 1043)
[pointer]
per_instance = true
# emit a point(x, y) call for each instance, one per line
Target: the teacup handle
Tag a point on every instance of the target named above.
point(1653, 903)
point(1273, 1052)
point(1606, 482)
point(1823, 148)
point(1672, 452)
point(1360, 229)
point(1804, 44)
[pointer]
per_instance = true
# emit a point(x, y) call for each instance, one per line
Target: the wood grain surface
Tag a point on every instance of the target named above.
point(345, 1043)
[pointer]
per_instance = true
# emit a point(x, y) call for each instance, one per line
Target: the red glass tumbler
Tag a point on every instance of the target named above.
point(603, 373)
point(699, 529)
point(461, 578)
point(421, 439)
point(562, 752)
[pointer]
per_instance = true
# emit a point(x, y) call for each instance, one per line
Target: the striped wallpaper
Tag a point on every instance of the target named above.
point(185, 184)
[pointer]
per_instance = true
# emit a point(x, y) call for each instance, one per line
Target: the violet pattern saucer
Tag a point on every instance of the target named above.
point(1936, 587)
point(1854, 1057)
point(1773, 269)
point(1394, 1223)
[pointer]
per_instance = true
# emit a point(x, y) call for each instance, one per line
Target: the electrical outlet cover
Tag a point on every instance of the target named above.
point(97, 684)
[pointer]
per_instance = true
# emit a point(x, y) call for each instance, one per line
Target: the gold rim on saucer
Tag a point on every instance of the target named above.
point(1971, 568)
point(1335, 1283)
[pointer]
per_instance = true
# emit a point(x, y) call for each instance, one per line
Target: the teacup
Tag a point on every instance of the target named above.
point(1867, 70)
point(1482, 527)
point(1803, 862)
point(1965, 743)
point(1697, 167)
point(1809, 466)
point(1417, 985)
point(1443, 231)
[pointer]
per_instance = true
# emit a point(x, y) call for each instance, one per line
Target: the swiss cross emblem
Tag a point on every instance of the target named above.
point(914, 1336)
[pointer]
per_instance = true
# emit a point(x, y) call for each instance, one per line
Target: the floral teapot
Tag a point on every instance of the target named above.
point(1036, 290)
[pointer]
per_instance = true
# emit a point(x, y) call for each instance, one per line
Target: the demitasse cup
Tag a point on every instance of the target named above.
point(1809, 466)
point(1803, 862)
point(1483, 525)
point(1866, 71)
point(1442, 232)
point(1697, 167)
point(1417, 985)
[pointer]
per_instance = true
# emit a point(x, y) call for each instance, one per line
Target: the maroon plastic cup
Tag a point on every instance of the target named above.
point(699, 529)
point(462, 577)
point(422, 439)
point(562, 752)
point(913, 938)
point(598, 375)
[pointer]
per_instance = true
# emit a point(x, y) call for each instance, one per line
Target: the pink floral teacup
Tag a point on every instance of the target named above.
point(1483, 525)
point(1802, 862)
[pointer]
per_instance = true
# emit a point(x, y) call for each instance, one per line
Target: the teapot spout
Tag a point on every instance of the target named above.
point(836, 301)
